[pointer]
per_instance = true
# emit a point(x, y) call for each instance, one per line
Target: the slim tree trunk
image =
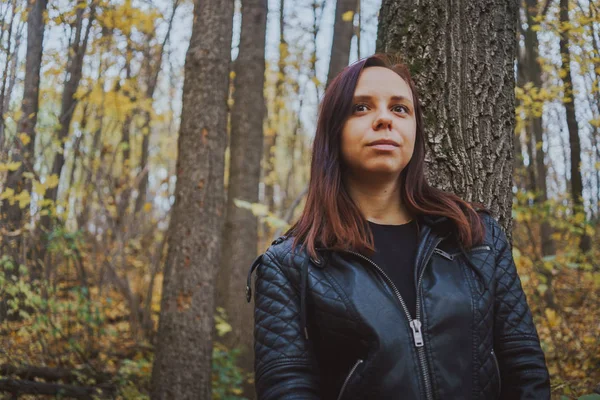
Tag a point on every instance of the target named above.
point(519, 168)
point(93, 153)
point(533, 71)
point(240, 235)
point(574, 141)
point(9, 54)
point(23, 150)
point(270, 141)
point(152, 68)
point(13, 217)
point(343, 30)
point(68, 103)
point(182, 363)
point(68, 100)
point(9, 76)
point(463, 64)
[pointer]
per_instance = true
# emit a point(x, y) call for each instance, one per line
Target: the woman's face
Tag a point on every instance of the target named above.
point(379, 136)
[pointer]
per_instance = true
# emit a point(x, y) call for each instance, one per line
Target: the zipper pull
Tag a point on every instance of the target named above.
point(415, 324)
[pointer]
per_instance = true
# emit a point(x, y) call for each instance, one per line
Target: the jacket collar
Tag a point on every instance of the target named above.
point(432, 220)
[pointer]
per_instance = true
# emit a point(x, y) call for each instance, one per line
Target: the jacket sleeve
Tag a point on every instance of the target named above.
point(523, 370)
point(284, 365)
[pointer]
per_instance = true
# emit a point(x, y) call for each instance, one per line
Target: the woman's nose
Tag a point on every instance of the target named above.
point(382, 121)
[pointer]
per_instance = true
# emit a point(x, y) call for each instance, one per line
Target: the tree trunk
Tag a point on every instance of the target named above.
point(123, 181)
point(182, 363)
point(343, 30)
point(9, 76)
point(23, 151)
point(270, 140)
point(533, 71)
point(574, 141)
point(13, 218)
point(68, 101)
point(8, 50)
point(519, 168)
point(240, 235)
point(152, 68)
point(463, 65)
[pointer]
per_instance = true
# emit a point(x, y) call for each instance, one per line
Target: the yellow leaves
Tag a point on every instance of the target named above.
point(283, 51)
point(7, 193)
point(16, 116)
point(597, 280)
point(348, 16)
point(51, 181)
point(566, 26)
point(11, 166)
point(261, 211)
point(562, 73)
point(23, 198)
point(39, 188)
point(579, 218)
point(552, 317)
point(25, 139)
point(221, 323)
point(147, 207)
point(125, 17)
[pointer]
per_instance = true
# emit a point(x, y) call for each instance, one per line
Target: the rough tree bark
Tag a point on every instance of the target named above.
point(461, 55)
point(240, 234)
point(574, 140)
point(182, 364)
point(343, 30)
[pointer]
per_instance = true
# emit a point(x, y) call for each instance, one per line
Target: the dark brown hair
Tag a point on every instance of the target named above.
point(330, 218)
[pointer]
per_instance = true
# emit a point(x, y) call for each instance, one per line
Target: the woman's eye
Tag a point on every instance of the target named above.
point(400, 108)
point(360, 107)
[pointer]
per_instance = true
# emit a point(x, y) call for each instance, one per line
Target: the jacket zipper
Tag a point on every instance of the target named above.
point(451, 256)
point(356, 364)
point(416, 323)
point(421, 349)
point(444, 254)
point(499, 376)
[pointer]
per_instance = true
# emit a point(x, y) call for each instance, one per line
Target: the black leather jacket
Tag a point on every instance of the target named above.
point(337, 328)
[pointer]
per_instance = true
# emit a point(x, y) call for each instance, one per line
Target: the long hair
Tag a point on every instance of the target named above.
point(330, 218)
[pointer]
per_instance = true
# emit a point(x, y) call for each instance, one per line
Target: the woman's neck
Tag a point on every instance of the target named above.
point(379, 201)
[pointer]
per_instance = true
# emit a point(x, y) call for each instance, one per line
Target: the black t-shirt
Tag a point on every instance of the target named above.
point(396, 247)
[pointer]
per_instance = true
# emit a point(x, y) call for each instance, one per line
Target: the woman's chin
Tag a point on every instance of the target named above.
point(383, 171)
point(387, 167)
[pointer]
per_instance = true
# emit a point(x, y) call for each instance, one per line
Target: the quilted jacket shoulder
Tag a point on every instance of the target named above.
point(278, 341)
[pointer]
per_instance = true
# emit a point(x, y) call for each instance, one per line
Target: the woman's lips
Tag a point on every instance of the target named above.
point(384, 145)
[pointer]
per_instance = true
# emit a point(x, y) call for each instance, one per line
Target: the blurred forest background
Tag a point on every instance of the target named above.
point(97, 126)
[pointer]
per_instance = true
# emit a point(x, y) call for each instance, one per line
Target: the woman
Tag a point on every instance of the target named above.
point(387, 288)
